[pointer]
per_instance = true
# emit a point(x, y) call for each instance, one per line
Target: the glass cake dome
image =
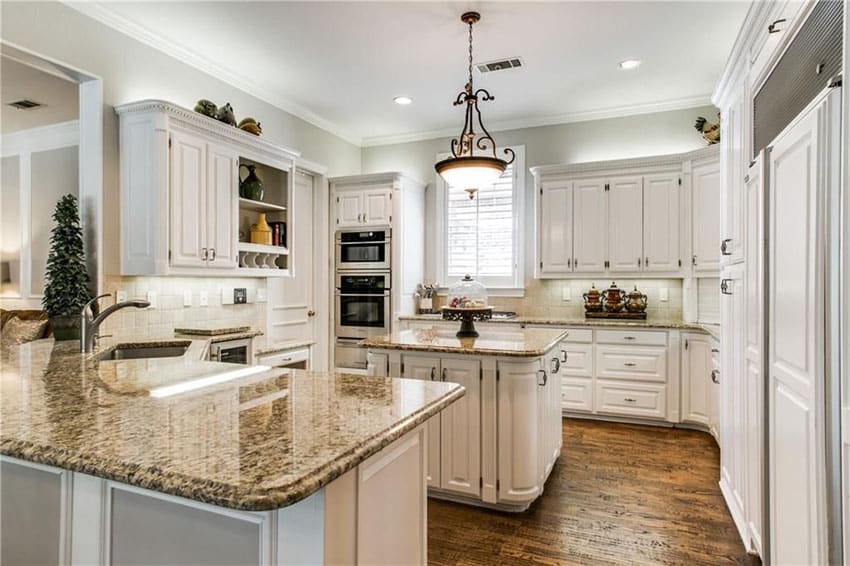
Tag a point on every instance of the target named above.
point(467, 294)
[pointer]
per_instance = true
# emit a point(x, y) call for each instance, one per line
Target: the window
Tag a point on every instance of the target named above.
point(482, 236)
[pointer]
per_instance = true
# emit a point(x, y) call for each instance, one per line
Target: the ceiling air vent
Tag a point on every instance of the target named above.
point(25, 104)
point(502, 65)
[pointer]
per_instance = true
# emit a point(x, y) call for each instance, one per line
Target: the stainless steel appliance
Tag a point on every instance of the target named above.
point(363, 250)
point(362, 310)
point(232, 351)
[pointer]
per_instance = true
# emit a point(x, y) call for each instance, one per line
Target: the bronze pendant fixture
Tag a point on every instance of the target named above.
point(466, 169)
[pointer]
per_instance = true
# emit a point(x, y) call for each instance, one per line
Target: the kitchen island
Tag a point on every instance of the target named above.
point(178, 460)
point(495, 447)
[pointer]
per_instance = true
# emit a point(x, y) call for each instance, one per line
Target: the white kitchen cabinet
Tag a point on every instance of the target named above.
point(631, 399)
point(589, 216)
point(625, 224)
point(377, 207)
point(349, 209)
point(714, 392)
point(661, 229)
point(705, 218)
point(576, 377)
point(427, 368)
point(696, 379)
point(188, 200)
point(556, 215)
point(734, 128)
point(363, 206)
point(222, 206)
point(460, 429)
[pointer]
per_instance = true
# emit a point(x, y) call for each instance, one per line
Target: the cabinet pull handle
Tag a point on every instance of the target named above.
point(629, 364)
point(715, 350)
point(433, 373)
point(638, 262)
point(630, 400)
point(772, 27)
point(204, 254)
point(724, 286)
point(212, 254)
point(568, 262)
point(564, 356)
point(646, 262)
point(715, 376)
point(629, 338)
point(545, 377)
point(694, 260)
point(724, 245)
point(556, 364)
point(443, 374)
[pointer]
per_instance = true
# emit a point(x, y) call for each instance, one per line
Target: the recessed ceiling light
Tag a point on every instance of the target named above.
point(629, 64)
point(402, 100)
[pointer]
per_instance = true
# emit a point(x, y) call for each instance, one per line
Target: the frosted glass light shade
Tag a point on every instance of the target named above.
point(471, 172)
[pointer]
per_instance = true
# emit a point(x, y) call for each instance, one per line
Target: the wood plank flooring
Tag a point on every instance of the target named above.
point(619, 494)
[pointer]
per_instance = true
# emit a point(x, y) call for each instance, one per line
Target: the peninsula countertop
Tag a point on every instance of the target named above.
point(514, 342)
point(243, 437)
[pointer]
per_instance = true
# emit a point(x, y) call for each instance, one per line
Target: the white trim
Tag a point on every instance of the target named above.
point(104, 15)
point(42, 138)
point(567, 118)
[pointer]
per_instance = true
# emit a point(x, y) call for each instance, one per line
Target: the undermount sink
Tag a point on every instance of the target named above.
point(144, 351)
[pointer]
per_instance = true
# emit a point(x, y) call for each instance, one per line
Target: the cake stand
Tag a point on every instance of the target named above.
point(467, 316)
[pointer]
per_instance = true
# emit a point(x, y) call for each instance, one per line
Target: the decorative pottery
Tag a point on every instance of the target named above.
point(65, 327)
point(592, 300)
point(251, 187)
point(206, 107)
point(614, 298)
point(261, 232)
point(636, 301)
point(252, 128)
point(225, 114)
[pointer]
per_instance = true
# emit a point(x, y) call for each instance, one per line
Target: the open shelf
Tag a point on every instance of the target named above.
point(259, 206)
point(262, 248)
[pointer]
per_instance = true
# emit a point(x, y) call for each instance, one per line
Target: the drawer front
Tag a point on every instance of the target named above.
point(284, 358)
point(577, 394)
point(646, 363)
point(576, 360)
point(579, 335)
point(632, 399)
point(632, 337)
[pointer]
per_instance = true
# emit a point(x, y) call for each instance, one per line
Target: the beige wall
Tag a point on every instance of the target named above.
point(596, 140)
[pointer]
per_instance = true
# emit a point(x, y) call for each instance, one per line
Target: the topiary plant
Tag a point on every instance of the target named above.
point(66, 287)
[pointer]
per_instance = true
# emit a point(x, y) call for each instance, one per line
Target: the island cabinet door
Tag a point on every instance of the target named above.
point(427, 368)
point(460, 433)
point(519, 434)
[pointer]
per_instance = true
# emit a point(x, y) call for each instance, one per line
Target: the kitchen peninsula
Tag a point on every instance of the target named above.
point(495, 447)
point(179, 460)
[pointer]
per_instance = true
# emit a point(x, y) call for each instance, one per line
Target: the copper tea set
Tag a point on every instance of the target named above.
point(614, 302)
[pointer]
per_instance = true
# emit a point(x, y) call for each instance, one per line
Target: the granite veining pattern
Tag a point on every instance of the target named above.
point(525, 342)
point(266, 345)
point(210, 330)
point(253, 442)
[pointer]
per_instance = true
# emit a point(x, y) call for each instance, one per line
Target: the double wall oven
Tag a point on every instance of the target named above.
point(362, 292)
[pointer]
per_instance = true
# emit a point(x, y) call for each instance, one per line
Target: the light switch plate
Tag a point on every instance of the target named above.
point(566, 293)
point(204, 299)
point(227, 295)
point(150, 297)
point(120, 296)
point(187, 298)
point(663, 295)
point(261, 296)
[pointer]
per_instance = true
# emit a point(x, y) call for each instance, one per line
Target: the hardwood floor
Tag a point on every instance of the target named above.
point(619, 494)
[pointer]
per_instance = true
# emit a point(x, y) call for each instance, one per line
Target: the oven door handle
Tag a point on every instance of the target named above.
point(383, 294)
point(376, 243)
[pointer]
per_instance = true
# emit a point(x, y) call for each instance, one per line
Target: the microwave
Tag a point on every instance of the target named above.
point(360, 250)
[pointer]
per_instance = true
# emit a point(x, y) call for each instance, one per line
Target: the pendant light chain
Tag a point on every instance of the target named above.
point(470, 55)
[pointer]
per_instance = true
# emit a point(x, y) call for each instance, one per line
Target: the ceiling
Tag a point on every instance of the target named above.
point(18, 82)
point(340, 64)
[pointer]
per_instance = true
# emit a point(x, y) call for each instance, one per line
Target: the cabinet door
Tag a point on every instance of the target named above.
point(625, 224)
point(421, 367)
point(460, 430)
point(696, 379)
point(519, 435)
point(705, 215)
point(661, 238)
point(377, 207)
point(188, 200)
point(222, 208)
point(589, 225)
point(731, 194)
point(556, 227)
point(349, 208)
point(714, 392)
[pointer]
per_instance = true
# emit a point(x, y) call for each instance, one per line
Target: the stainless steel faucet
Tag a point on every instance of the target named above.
point(90, 323)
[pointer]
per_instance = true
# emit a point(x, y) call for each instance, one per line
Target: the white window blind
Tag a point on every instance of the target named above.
point(481, 232)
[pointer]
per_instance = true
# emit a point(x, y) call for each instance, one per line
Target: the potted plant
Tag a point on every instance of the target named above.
point(66, 287)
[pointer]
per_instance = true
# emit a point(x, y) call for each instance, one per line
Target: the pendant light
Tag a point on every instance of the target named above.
point(466, 169)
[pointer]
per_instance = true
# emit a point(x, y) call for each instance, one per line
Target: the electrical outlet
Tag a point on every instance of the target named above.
point(663, 295)
point(204, 299)
point(566, 293)
point(187, 298)
point(240, 296)
point(120, 296)
point(227, 295)
point(150, 297)
point(261, 296)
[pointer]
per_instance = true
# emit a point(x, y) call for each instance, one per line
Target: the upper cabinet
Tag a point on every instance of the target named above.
point(705, 217)
point(181, 213)
point(629, 217)
point(362, 206)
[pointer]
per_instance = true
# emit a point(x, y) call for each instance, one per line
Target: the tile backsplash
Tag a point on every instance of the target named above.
point(172, 293)
point(545, 297)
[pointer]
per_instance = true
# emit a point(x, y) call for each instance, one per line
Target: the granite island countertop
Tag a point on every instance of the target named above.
point(518, 342)
point(230, 435)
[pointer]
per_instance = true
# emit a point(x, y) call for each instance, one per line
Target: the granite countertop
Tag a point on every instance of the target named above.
point(246, 437)
point(712, 329)
point(263, 346)
point(210, 329)
point(525, 342)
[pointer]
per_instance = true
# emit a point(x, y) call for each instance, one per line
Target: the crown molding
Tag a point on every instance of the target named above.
point(552, 120)
point(104, 15)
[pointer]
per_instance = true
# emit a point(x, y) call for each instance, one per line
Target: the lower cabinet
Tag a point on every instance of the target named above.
point(696, 379)
point(631, 399)
point(497, 445)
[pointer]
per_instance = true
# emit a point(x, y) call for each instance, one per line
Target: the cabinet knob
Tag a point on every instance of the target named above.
point(311, 312)
point(715, 376)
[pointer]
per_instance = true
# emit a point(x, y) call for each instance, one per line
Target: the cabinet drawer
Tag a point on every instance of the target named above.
point(579, 335)
point(647, 363)
point(632, 399)
point(283, 359)
point(576, 360)
point(632, 337)
point(576, 394)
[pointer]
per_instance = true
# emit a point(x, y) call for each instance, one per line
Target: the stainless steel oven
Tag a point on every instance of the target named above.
point(363, 250)
point(362, 304)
